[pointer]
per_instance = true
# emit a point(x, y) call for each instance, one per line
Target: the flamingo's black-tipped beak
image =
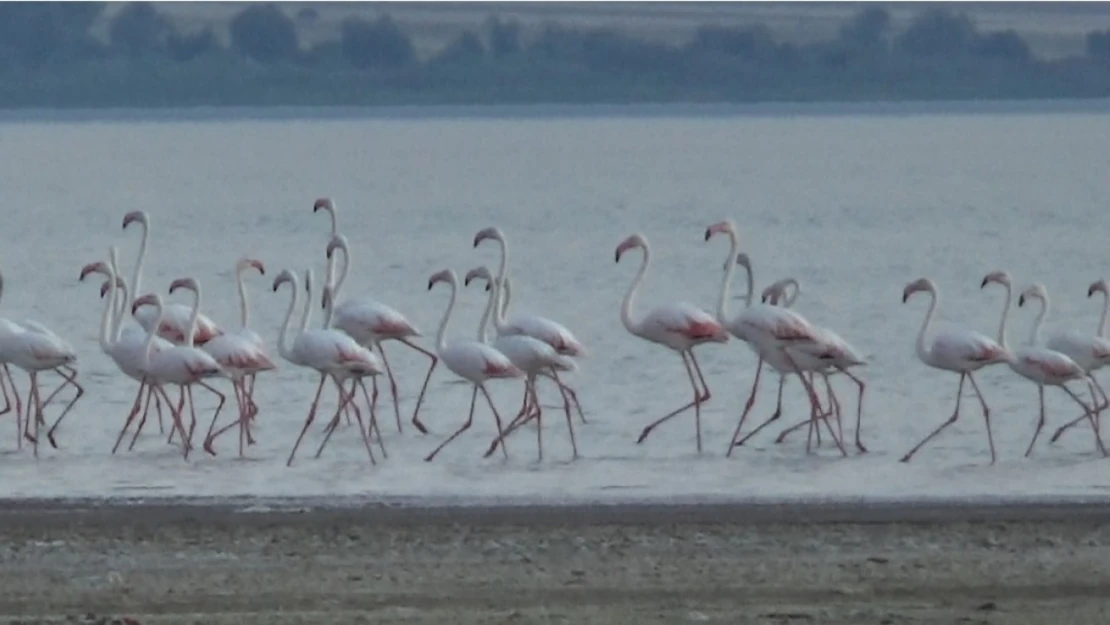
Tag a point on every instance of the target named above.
point(708, 233)
point(1021, 300)
point(984, 283)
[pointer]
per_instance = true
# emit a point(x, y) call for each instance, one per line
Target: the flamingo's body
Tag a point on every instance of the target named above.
point(1092, 352)
point(532, 356)
point(472, 361)
point(960, 351)
point(175, 318)
point(679, 327)
point(330, 353)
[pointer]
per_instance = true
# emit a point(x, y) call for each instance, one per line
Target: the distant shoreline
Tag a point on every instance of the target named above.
point(831, 108)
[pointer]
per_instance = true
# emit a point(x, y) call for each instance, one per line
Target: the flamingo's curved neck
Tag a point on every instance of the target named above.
point(136, 283)
point(122, 301)
point(1105, 311)
point(922, 351)
point(191, 332)
point(504, 293)
point(633, 289)
point(109, 312)
point(306, 316)
point(283, 345)
point(329, 310)
point(788, 300)
point(730, 266)
point(342, 272)
point(152, 332)
point(502, 265)
point(1035, 335)
point(334, 231)
point(1005, 317)
point(483, 336)
point(244, 306)
point(441, 335)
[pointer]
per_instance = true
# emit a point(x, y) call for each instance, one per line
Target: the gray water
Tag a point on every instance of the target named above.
point(854, 206)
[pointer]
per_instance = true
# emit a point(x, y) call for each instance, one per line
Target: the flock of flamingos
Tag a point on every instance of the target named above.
point(177, 345)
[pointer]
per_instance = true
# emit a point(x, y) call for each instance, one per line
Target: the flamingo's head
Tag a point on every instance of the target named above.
point(726, 227)
point(139, 216)
point(445, 275)
point(283, 277)
point(184, 283)
point(150, 299)
point(338, 241)
point(921, 284)
point(489, 233)
point(1035, 291)
point(998, 277)
point(323, 203)
point(247, 263)
point(1099, 286)
point(97, 267)
point(743, 260)
point(476, 273)
point(108, 284)
point(776, 291)
point(632, 242)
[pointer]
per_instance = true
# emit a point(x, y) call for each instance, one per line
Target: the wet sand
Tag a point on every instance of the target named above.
point(731, 563)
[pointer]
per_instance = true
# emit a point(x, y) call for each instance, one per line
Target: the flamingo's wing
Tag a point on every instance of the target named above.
point(554, 334)
point(968, 346)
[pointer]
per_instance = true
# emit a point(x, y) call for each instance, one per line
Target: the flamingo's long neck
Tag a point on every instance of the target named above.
point(1105, 311)
point(329, 310)
point(331, 259)
point(483, 336)
point(244, 307)
point(342, 273)
point(306, 316)
point(283, 345)
point(109, 310)
point(730, 266)
point(923, 352)
point(191, 332)
point(1005, 317)
point(122, 301)
point(441, 334)
point(630, 297)
point(136, 283)
point(502, 268)
point(788, 300)
point(1035, 335)
point(152, 332)
point(500, 313)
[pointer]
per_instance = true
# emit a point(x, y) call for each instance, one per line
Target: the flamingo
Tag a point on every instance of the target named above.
point(1037, 364)
point(839, 358)
point(242, 354)
point(535, 326)
point(125, 350)
point(331, 353)
point(181, 365)
point(472, 361)
point(530, 355)
point(959, 351)
point(767, 330)
point(679, 327)
point(1090, 352)
point(46, 347)
point(371, 323)
point(175, 316)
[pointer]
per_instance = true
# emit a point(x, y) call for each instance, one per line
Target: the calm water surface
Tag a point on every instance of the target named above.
point(853, 206)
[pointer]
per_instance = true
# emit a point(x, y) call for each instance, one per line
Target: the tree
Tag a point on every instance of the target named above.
point(866, 30)
point(938, 33)
point(466, 49)
point(1005, 45)
point(1098, 45)
point(139, 29)
point(504, 38)
point(264, 33)
point(377, 44)
point(34, 32)
point(186, 47)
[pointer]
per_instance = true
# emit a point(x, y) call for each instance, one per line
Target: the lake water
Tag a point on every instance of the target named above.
point(853, 205)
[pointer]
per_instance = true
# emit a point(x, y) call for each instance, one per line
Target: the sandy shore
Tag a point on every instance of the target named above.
point(737, 564)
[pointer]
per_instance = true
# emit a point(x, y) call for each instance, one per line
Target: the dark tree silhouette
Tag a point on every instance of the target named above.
point(504, 38)
point(264, 33)
point(867, 30)
point(186, 47)
point(378, 44)
point(466, 49)
point(1005, 45)
point(937, 33)
point(753, 43)
point(139, 29)
point(1098, 45)
point(32, 33)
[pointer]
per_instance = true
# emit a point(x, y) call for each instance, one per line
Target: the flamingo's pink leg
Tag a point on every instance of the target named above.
point(308, 420)
point(150, 394)
point(465, 427)
point(699, 397)
point(424, 388)
point(1083, 417)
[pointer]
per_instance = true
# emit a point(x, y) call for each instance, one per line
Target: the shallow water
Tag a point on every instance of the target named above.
point(854, 206)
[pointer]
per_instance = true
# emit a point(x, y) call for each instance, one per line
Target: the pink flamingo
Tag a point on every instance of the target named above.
point(175, 316)
point(371, 323)
point(838, 359)
point(769, 331)
point(533, 357)
point(1090, 352)
point(472, 361)
point(959, 351)
point(242, 354)
point(1038, 364)
point(541, 328)
point(331, 353)
point(181, 365)
point(679, 327)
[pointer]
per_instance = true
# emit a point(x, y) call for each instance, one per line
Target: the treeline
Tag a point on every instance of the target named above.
point(49, 58)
